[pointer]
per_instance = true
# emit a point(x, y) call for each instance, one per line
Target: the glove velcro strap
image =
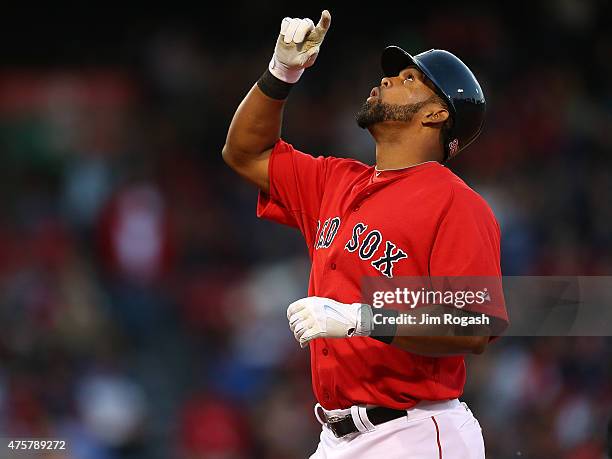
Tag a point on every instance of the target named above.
point(384, 330)
point(273, 87)
point(364, 320)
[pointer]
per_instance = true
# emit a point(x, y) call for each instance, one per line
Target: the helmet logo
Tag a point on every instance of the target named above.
point(453, 148)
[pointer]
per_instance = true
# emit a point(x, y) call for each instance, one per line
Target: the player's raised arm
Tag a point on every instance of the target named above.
point(256, 125)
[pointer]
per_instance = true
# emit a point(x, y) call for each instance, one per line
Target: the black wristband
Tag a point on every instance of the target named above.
point(273, 87)
point(385, 329)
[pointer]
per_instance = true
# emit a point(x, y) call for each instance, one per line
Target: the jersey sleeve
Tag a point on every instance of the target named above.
point(297, 183)
point(466, 250)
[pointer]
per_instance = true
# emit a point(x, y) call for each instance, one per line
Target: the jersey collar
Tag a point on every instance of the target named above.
point(383, 174)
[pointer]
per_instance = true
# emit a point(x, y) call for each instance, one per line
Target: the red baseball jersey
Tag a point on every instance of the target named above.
point(418, 221)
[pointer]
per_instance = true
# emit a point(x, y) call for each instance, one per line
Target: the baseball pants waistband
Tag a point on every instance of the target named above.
point(423, 409)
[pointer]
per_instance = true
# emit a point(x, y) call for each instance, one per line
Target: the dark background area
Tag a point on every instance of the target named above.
point(142, 302)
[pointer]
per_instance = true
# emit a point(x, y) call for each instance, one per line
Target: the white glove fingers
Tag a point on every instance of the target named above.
point(304, 28)
point(309, 336)
point(295, 319)
point(284, 25)
point(298, 329)
point(295, 307)
point(306, 326)
point(289, 61)
point(291, 29)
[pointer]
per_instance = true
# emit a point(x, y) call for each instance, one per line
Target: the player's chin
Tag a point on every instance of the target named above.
point(365, 116)
point(362, 118)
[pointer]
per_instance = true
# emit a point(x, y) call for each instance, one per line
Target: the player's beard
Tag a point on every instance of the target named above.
point(371, 113)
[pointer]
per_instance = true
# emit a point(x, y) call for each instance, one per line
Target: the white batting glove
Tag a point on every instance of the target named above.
point(316, 317)
point(297, 47)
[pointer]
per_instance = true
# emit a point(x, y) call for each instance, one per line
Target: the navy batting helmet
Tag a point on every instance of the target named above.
point(455, 83)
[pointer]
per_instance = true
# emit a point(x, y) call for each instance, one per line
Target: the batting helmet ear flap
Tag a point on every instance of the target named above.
point(454, 82)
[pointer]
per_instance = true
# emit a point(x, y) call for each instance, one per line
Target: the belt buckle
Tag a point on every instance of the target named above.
point(333, 421)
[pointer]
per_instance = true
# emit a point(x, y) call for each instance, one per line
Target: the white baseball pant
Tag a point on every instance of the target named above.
point(430, 430)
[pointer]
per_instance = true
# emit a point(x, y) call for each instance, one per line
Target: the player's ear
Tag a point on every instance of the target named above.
point(435, 116)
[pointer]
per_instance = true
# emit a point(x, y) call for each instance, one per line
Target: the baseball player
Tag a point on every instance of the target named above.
point(381, 392)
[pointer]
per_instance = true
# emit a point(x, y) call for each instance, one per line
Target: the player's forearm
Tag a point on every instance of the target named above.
point(255, 128)
point(437, 346)
point(436, 339)
point(256, 125)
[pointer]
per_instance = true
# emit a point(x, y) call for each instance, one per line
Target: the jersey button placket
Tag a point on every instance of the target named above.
point(356, 204)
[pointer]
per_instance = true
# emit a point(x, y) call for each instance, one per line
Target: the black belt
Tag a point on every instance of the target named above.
point(345, 425)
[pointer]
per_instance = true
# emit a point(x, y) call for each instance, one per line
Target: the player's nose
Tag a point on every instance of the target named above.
point(385, 82)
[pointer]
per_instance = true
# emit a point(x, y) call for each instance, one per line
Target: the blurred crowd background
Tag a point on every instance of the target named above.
point(142, 303)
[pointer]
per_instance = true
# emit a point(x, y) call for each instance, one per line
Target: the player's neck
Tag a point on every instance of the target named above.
point(399, 148)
